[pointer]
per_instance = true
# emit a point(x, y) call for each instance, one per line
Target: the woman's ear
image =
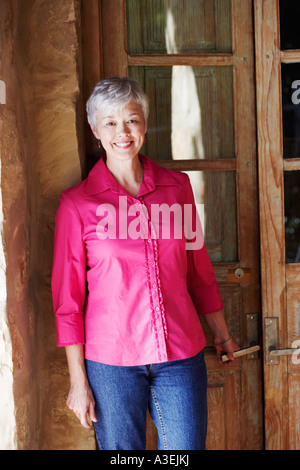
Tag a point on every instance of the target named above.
point(94, 131)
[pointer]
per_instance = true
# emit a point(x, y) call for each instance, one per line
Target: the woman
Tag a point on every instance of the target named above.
point(126, 295)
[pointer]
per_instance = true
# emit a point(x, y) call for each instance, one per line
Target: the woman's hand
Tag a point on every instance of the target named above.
point(228, 347)
point(81, 401)
point(80, 398)
point(222, 339)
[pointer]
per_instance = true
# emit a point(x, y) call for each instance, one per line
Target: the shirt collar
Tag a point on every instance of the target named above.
point(100, 179)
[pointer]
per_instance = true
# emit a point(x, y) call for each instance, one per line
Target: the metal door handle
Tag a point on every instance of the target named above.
point(272, 352)
point(283, 352)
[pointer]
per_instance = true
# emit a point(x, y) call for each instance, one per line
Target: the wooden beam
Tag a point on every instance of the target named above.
point(289, 57)
point(290, 164)
point(270, 165)
point(114, 33)
point(178, 59)
point(220, 164)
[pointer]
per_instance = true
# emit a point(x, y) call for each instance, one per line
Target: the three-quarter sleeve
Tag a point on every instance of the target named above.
point(201, 280)
point(68, 274)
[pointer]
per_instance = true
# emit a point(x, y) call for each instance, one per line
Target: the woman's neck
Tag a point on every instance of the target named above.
point(128, 173)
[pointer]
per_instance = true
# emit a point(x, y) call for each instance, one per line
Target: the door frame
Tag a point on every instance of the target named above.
point(244, 164)
point(277, 278)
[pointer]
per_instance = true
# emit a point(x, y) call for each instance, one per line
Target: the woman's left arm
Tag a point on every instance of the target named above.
point(203, 287)
point(222, 339)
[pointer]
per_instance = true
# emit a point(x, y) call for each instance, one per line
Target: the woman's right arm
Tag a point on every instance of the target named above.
point(80, 398)
point(69, 295)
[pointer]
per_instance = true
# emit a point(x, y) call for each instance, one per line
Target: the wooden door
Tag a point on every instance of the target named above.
point(278, 75)
point(195, 60)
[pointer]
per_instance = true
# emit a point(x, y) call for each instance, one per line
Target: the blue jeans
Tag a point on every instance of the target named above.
point(174, 391)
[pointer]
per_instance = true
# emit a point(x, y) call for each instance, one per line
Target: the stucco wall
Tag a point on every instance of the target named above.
point(41, 155)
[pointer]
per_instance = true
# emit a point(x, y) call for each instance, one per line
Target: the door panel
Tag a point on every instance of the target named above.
point(200, 80)
point(224, 397)
point(293, 366)
point(279, 185)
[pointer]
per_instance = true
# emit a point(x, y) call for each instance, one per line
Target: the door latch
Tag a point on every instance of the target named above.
point(272, 352)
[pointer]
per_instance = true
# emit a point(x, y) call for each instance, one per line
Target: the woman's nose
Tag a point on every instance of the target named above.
point(123, 128)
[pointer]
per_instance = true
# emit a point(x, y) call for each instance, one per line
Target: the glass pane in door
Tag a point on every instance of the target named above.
point(215, 196)
point(289, 24)
point(291, 109)
point(178, 26)
point(191, 111)
point(292, 216)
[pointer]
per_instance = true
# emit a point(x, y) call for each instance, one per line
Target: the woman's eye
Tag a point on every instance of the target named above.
point(110, 124)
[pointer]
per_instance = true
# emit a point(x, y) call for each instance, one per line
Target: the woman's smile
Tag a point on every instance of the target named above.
point(123, 145)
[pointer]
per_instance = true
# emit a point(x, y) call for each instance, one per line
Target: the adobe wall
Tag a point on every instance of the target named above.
point(41, 154)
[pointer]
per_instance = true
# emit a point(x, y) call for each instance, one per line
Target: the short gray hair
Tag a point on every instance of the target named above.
point(115, 92)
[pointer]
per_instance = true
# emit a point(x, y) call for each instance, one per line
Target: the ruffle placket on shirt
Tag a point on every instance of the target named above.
point(150, 238)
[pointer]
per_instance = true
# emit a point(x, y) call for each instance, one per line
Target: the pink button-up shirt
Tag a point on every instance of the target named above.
point(124, 283)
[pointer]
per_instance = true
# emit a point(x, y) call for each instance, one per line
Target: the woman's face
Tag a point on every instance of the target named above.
point(122, 132)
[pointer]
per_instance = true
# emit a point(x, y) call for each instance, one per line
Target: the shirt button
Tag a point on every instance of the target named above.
point(154, 286)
